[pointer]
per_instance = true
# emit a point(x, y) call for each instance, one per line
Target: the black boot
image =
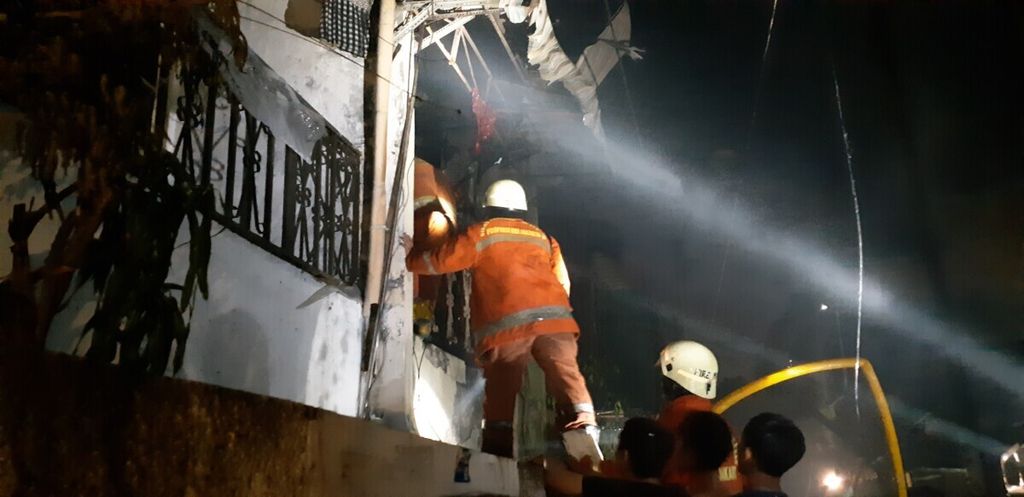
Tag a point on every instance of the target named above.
point(498, 440)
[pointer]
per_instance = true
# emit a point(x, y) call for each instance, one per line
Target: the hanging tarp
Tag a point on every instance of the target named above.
point(553, 65)
point(600, 58)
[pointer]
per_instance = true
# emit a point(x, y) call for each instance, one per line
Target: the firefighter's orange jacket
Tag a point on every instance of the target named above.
point(671, 416)
point(520, 283)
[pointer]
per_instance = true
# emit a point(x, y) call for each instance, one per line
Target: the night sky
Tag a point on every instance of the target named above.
point(931, 93)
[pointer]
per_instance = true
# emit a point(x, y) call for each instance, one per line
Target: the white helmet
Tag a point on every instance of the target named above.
point(692, 366)
point(506, 194)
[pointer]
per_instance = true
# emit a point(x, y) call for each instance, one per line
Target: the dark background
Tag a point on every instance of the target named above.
point(932, 105)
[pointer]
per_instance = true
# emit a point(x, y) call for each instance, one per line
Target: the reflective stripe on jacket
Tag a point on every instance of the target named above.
point(520, 284)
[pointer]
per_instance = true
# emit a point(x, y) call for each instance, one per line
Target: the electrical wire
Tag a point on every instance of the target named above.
point(761, 72)
point(391, 248)
point(622, 71)
point(749, 142)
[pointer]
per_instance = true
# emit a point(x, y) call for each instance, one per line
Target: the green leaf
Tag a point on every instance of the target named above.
point(200, 247)
point(159, 338)
point(104, 339)
point(90, 325)
point(131, 338)
point(188, 288)
point(181, 332)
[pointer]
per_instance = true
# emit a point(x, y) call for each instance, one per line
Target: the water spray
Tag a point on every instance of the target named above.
point(860, 235)
point(718, 336)
point(672, 199)
point(750, 133)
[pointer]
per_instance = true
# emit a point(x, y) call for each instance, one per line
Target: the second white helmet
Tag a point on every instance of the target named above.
point(506, 194)
point(692, 366)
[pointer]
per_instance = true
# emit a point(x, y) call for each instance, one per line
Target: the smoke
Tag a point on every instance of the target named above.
point(654, 183)
point(945, 429)
point(720, 338)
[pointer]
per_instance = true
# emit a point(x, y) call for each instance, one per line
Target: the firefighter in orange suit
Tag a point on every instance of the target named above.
point(520, 308)
point(689, 381)
point(434, 221)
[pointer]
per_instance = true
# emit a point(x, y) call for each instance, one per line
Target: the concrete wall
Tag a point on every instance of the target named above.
point(414, 387)
point(250, 335)
point(170, 438)
point(17, 186)
point(390, 386)
point(447, 401)
point(329, 79)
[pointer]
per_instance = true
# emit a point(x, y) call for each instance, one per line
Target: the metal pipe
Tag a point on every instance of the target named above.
point(888, 426)
point(500, 29)
point(378, 206)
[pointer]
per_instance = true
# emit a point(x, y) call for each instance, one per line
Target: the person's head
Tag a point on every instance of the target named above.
point(505, 194)
point(705, 441)
point(645, 447)
point(771, 444)
point(505, 198)
point(688, 367)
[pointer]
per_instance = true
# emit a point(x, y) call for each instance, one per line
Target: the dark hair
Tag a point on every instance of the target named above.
point(707, 438)
point(775, 442)
point(649, 445)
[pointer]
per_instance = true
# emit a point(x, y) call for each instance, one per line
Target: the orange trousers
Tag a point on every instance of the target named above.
point(505, 365)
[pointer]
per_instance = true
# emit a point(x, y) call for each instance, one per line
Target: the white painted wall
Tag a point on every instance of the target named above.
point(250, 335)
point(329, 79)
point(447, 397)
point(17, 186)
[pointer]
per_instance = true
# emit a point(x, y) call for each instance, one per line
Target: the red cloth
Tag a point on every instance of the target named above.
point(485, 120)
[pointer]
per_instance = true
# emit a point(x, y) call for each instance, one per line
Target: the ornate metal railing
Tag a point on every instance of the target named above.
point(306, 212)
point(452, 316)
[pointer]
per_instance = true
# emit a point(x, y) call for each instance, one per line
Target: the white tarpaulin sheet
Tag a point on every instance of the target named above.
point(582, 78)
point(600, 58)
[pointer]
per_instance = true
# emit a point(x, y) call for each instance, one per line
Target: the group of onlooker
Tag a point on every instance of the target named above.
point(651, 461)
point(689, 450)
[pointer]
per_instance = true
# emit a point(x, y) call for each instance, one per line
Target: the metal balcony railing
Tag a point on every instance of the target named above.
point(306, 212)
